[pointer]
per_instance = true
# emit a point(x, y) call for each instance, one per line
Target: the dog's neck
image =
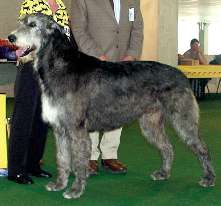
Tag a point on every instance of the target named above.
point(55, 47)
point(54, 51)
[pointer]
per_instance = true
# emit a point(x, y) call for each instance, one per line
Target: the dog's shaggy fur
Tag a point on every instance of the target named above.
point(81, 94)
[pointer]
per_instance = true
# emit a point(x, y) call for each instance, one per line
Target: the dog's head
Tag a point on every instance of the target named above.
point(33, 32)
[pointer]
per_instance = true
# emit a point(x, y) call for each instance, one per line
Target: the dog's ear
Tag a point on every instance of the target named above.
point(53, 26)
point(56, 26)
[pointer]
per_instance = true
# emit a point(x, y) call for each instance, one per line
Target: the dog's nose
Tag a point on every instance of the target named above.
point(12, 38)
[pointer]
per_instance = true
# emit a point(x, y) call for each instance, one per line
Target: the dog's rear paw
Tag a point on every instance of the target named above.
point(72, 194)
point(159, 175)
point(51, 186)
point(207, 182)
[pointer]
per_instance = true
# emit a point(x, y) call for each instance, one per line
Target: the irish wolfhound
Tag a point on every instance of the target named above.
point(81, 94)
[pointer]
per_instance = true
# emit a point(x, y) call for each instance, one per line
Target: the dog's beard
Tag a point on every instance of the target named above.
point(26, 52)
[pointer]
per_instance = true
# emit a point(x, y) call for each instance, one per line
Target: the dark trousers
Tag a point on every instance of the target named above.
point(198, 86)
point(28, 131)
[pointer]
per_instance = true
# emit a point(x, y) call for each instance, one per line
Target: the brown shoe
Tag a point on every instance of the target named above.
point(114, 166)
point(93, 167)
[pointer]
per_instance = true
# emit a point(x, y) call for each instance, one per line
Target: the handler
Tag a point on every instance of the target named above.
point(28, 131)
point(111, 30)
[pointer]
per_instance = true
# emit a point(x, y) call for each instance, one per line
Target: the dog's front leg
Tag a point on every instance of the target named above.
point(63, 159)
point(80, 151)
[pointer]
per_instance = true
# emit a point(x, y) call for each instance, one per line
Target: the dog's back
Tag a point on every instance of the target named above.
point(125, 88)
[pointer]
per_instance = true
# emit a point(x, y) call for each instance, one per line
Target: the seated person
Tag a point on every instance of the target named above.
point(195, 52)
point(198, 85)
point(216, 60)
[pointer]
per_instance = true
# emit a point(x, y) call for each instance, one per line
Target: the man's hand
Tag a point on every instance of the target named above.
point(103, 58)
point(128, 58)
point(199, 50)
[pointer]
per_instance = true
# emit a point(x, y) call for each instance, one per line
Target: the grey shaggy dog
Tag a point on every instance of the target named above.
point(81, 94)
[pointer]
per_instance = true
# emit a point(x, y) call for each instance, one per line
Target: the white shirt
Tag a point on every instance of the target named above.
point(117, 10)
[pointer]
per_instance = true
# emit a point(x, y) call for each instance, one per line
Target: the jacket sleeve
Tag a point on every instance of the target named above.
point(79, 25)
point(136, 36)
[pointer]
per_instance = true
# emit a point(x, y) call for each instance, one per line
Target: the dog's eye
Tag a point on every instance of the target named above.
point(32, 24)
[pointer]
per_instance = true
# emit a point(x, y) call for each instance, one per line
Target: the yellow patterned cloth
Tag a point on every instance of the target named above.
point(201, 71)
point(42, 6)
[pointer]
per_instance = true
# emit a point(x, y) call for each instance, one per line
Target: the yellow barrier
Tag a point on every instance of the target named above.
point(201, 71)
point(3, 140)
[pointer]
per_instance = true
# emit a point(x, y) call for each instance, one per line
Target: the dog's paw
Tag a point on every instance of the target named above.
point(51, 186)
point(72, 194)
point(159, 175)
point(207, 182)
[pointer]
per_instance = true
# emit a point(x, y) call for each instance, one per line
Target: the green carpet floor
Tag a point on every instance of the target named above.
point(136, 188)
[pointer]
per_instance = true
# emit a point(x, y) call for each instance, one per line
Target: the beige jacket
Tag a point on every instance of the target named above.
point(98, 33)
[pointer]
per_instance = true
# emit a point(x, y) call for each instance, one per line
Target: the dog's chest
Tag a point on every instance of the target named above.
point(50, 110)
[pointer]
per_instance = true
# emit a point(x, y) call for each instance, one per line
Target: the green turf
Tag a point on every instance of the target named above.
point(135, 188)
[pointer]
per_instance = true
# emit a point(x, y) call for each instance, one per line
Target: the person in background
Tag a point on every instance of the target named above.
point(111, 30)
point(195, 53)
point(28, 131)
point(216, 60)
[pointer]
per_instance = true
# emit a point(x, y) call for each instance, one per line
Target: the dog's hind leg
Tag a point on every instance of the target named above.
point(184, 115)
point(152, 126)
point(63, 159)
point(80, 154)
